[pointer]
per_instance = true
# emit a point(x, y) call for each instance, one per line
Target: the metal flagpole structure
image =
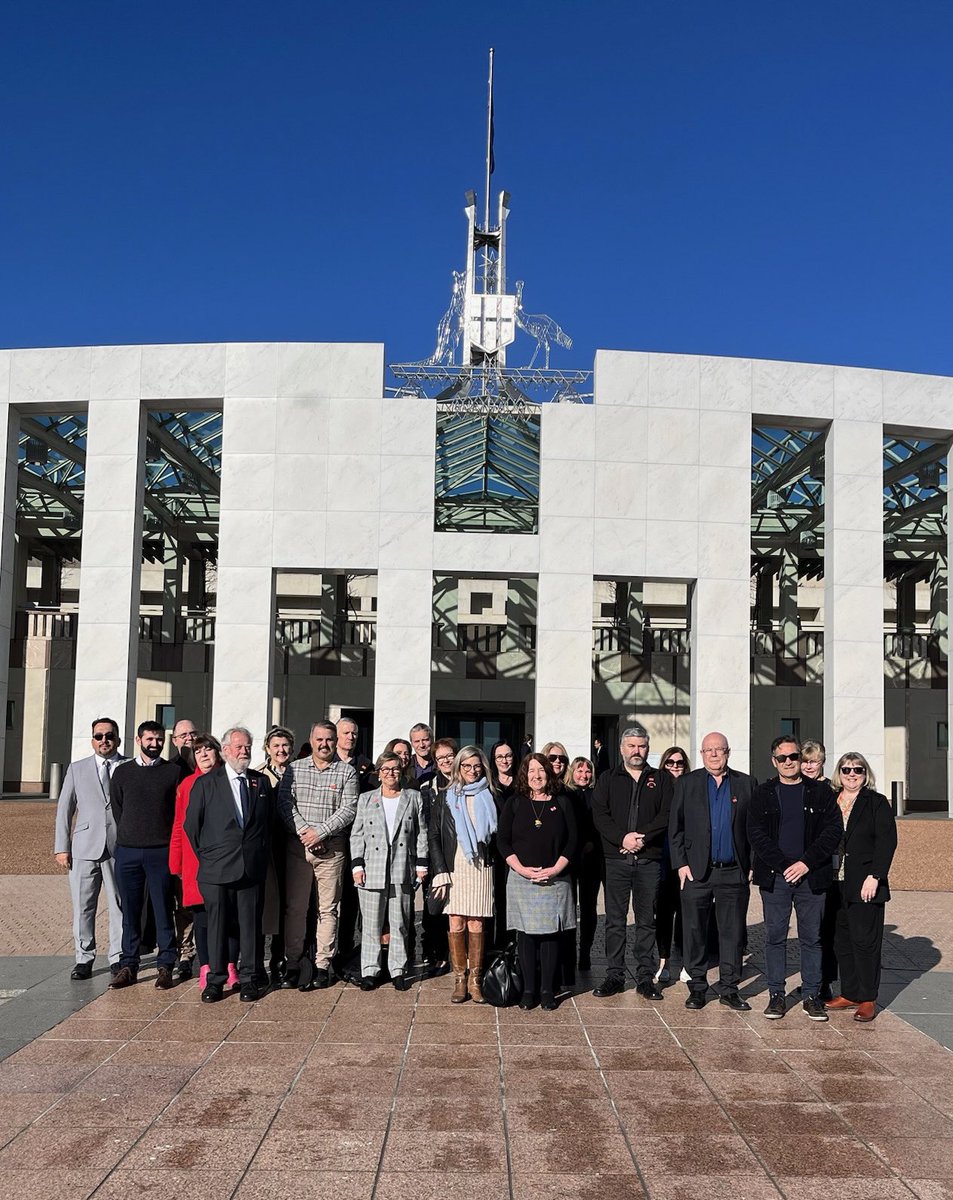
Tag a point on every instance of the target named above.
point(489, 146)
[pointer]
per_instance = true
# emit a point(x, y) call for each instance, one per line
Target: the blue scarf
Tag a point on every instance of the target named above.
point(471, 835)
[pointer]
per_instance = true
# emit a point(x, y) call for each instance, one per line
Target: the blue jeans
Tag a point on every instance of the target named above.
point(809, 909)
point(137, 869)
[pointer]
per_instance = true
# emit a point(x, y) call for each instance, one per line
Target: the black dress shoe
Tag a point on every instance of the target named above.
point(212, 994)
point(184, 969)
point(548, 1003)
point(290, 980)
point(734, 1001)
point(322, 978)
point(368, 983)
point(401, 983)
point(610, 986)
point(527, 1003)
point(83, 970)
point(649, 990)
point(249, 993)
point(696, 1000)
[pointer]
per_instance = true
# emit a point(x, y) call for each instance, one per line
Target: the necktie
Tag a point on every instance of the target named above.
point(243, 794)
point(104, 777)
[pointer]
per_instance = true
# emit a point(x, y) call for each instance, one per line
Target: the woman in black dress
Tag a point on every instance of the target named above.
point(587, 867)
point(866, 852)
point(537, 836)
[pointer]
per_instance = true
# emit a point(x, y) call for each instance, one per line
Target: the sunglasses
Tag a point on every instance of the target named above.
point(787, 758)
point(105, 737)
point(558, 758)
point(677, 762)
point(853, 770)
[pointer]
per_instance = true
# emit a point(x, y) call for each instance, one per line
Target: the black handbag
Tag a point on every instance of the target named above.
point(503, 978)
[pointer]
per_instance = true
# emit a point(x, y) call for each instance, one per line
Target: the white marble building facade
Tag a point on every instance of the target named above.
point(321, 471)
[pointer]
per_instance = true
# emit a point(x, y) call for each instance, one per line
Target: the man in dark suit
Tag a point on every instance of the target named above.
point(229, 823)
point(630, 807)
point(708, 840)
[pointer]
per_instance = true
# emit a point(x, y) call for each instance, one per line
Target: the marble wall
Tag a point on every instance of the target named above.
point(321, 472)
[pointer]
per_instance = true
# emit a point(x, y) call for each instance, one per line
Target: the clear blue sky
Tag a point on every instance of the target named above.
point(739, 177)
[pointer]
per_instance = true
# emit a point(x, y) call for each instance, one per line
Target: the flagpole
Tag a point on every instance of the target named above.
point(489, 145)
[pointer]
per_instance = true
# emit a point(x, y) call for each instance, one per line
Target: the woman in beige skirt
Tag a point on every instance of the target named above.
point(462, 830)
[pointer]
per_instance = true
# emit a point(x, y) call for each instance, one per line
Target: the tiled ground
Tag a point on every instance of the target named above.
point(342, 1094)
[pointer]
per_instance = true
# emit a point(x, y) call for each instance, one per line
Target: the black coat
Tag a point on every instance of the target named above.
point(689, 827)
point(870, 841)
point(822, 833)
point(226, 851)
point(442, 835)
point(611, 798)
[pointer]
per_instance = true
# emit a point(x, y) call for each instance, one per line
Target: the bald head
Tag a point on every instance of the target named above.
point(715, 752)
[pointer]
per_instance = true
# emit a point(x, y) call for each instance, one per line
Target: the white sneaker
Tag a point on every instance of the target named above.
point(684, 977)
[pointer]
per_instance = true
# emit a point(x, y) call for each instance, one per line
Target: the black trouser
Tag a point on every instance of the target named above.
point(590, 881)
point(631, 878)
point(829, 970)
point(539, 962)
point(727, 889)
point(668, 915)
point(433, 935)
point(858, 940)
point(200, 926)
point(224, 904)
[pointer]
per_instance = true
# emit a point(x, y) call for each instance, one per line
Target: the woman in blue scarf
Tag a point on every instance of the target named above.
point(462, 829)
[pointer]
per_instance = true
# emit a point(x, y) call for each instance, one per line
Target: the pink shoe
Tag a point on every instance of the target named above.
point(232, 980)
point(203, 977)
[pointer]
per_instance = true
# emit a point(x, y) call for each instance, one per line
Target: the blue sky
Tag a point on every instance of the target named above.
point(713, 176)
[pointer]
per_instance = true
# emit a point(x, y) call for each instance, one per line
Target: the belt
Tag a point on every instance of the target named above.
point(718, 866)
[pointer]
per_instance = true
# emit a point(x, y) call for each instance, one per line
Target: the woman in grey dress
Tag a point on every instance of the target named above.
point(537, 836)
point(462, 828)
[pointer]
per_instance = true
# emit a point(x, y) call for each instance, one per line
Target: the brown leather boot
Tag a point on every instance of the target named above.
point(475, 955)
point(458, 960)
point(841, 1002)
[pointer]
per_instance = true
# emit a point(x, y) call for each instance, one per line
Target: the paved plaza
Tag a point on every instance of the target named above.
point(347, 1095)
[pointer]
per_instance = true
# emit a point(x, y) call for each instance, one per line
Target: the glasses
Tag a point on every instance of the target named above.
point(105, 737)
point(716, 750)
point(471, 766)
point(853, 770)
point(680, 763)
point(178, 737)
point(780, 758)
point(389, 771)
point(558, 758)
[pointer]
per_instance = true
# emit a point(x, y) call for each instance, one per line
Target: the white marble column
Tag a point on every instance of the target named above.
point(245, 597)
point(107, 639)
point(9, 433)
point(403, 655)
point(721, 598)
point(853, 591)
point(564, 590)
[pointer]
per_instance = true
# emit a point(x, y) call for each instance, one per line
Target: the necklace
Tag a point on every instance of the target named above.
point(538, 813)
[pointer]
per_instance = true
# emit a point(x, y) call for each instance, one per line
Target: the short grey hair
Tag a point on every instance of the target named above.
point(420, 726)
point(635, 730)
point(345, 721)
point(227, 735)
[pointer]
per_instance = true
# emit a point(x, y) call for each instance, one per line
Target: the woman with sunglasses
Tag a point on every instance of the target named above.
point(463, 822)
point(861, 890)
point(555, 752)
point(587, 867)
point(668, 907)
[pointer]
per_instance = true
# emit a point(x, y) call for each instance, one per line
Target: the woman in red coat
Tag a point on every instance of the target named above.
point(183, 861)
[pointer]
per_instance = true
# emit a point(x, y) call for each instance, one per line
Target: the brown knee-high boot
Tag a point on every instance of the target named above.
point(475, 953)
point(458, 960)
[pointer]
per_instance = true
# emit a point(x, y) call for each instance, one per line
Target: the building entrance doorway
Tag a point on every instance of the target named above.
point(483, 724)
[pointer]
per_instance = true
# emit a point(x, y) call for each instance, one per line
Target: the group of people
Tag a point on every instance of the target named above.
point(306, 868)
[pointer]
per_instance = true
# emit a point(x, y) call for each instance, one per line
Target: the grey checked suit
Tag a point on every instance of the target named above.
point(390, 865)
point(86, 830)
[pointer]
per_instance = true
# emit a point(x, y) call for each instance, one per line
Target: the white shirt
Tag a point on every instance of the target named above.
point(389, 805)
point(147, 762)
point(233, 778)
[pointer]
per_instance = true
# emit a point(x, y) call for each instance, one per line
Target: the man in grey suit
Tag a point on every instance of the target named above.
point(86, 846)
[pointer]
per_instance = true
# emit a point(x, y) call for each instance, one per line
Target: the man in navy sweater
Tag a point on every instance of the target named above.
point(142, 794)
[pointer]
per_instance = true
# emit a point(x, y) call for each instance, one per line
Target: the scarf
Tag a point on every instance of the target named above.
point(471, 835)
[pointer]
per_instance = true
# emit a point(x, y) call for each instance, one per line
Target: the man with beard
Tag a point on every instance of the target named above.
point(630, 807)
point(142, 794)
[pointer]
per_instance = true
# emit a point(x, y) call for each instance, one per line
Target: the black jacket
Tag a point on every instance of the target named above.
point(822, 833)
point(689, 827)
point(610, 809)
point(870, 841)
point(442, 835)
point(226, 851)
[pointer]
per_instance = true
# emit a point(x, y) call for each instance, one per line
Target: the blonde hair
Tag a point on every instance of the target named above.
point(851, 758)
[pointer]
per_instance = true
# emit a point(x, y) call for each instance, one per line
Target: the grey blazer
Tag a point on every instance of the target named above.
point(394, 861)
point(94, 833)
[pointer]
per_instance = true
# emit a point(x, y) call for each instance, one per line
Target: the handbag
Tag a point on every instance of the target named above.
point(503, 978)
